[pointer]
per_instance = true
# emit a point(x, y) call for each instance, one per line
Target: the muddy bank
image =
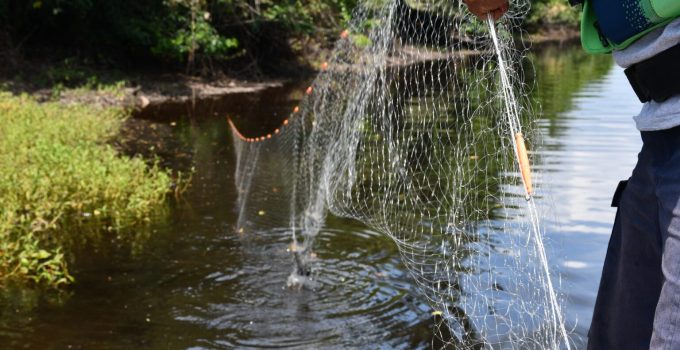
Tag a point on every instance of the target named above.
point(146, 92)
point(167, 96)
point(165, 100)
point(155, 99)
point(554, 35)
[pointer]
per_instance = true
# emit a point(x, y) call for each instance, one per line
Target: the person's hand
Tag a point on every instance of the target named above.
point(482, 8)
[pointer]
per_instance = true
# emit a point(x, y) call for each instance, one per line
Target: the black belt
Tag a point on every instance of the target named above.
point(656, 78)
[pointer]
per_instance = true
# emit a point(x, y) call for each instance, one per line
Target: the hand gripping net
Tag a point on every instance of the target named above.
point(414, 129)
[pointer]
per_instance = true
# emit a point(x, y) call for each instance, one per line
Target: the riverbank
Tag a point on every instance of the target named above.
point(555, 35)
point(76, 83)
point(183, 50)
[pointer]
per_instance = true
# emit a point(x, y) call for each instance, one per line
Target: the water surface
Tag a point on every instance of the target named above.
point(187, 280)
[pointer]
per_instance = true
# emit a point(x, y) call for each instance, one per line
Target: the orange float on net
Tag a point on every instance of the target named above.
point(324, 66)
point(276, 131)
point(524, 166)
point(309, 90)
point(344, 34)
point(296, 109)
point(269, 136)
point(285, 122)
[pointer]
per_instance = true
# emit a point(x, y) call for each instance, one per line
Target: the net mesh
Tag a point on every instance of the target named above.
point(414, 127)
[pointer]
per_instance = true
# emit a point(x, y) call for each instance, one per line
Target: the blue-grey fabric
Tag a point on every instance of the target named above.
point(623, 19)
point(638, 303)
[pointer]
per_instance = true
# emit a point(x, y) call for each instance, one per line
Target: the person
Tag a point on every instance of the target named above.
point(638, 302)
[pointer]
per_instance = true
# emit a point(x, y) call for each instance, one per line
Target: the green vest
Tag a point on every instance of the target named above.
point(608, 25)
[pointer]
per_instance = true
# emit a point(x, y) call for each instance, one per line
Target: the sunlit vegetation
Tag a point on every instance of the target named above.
point(550, 13)
point(56, 167)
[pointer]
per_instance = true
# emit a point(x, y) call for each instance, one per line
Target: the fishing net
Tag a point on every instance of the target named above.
point(416, 128)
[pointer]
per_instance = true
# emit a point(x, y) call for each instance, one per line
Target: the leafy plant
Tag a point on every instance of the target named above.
point(193, 34)
point(55, 166)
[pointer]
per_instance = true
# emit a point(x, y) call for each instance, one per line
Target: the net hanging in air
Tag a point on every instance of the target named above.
point(416, 128)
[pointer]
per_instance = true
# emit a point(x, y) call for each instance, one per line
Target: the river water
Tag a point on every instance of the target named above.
point(187, 280)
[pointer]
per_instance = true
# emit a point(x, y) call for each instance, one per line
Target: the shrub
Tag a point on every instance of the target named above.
point(546, 13)
point(55, 165)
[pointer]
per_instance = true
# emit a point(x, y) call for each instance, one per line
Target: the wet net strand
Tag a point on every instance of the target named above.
point(416, 127)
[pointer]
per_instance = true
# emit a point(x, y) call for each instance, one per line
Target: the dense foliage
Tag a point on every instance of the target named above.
point(170, 31)
point(550, 13)
point(55, 167)
point(196, 34)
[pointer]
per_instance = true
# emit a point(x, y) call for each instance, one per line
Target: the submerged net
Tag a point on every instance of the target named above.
point(414, 127)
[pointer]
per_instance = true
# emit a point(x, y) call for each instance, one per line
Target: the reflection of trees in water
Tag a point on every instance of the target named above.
point(560, 73)
point(435, 172)
point(449, 140)
point(419, 152)
point(442, 140)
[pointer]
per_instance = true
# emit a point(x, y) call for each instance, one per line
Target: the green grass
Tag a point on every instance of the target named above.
point(56, 165)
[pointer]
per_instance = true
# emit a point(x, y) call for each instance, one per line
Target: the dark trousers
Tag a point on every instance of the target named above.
point(638, 303)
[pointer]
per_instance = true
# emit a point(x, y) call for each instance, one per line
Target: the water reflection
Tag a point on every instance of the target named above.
point(590, 144)
point(197, 284)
